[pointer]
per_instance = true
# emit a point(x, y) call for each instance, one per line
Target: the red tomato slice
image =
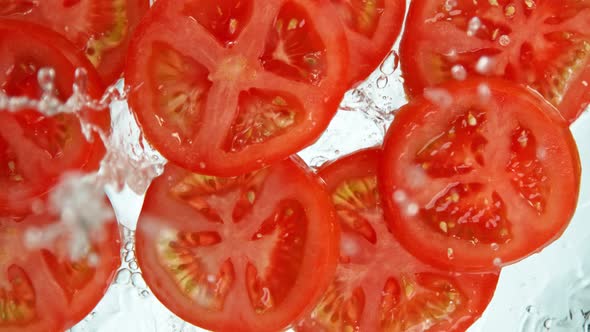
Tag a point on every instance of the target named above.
point(372, 26)
point(225, 89)
point(101, 28)
point(247, 253)
point(35, 149)
point(483, 180)
point(43, 290)
point(542, 43)
point(379, 286)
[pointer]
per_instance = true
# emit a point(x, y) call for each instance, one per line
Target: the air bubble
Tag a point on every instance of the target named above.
point(497, 262)
point(133, 265)
point(46, 79)
point(399, 196)
point(129, 256)
point(137, 280)
point(412, 209)
point(494, 246)
point(123, 277)
point(389, 64)
point(382, 82)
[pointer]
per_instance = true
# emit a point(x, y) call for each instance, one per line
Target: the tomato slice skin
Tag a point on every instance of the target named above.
point(371, 30)
point(52, 292)
point(206, 245)
point(101, 28)
point(229, 101)
point(37, 149)
point(502, 173)
point(371, 259)
point(541, 44)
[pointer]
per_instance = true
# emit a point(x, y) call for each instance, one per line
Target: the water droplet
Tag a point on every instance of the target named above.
point(144, 293)
point(494, 246)
point(484, 65)
point(473, 26)
point(129, 246)
point(412, 209)
point(459, 73)
point(399, 196)
point(497, 262)
point(382, 82)
point(46, 79)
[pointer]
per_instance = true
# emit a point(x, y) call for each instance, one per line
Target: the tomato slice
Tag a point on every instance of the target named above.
point(225, 89)
point(542, 43)
point(45, 290)
point(239, 253)
point(379, 286)
point(101, 28)
point(371, 26)
point(481, 180)
point(36, 149)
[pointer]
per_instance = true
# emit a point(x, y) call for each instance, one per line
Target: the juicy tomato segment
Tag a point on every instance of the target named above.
point(36, 149)
point(540, 43)
point(481, 181)
point(43, 289)
point(372, 26)
point(379, 286)
point(225, 89)
point(236, 253)
point(100, 27)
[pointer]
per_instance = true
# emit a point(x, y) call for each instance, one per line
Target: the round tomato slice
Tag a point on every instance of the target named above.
point(101, 28)
point(371, 30)
point(43, 289)
point(246, 253)
point(225, 89)
point(541, 43)
point(482, 178)
point(36, 149)
point(378, 285)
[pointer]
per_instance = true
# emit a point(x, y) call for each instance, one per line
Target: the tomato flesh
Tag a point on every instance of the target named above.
point(543, 44)
point(42, 289)
point(372, 26)
point(379, 286)
point(227, 89)
point(236, 253)
point(36, 149)
point(482, 181)
point(101, 28)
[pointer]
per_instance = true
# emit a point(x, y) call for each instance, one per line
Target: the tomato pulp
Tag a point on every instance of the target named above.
point(379, 286)
point(42, 288)
point(541, 43)
point(35, 150)
point(246, 253)
point(481, 175)
point(100, 28)
point(228, 89)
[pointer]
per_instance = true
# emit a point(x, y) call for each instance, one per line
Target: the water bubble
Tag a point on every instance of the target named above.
point(389, 64)
point(123, 277)
point(382, 82)
point(399, 196)
point(412, 209)
point(137, 280)
point(494, 246)
point(130, 256)
point(497, 261)
point(133, 265)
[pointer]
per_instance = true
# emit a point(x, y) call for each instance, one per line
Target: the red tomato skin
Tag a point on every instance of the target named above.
point(468, 261)
point(212, 161)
